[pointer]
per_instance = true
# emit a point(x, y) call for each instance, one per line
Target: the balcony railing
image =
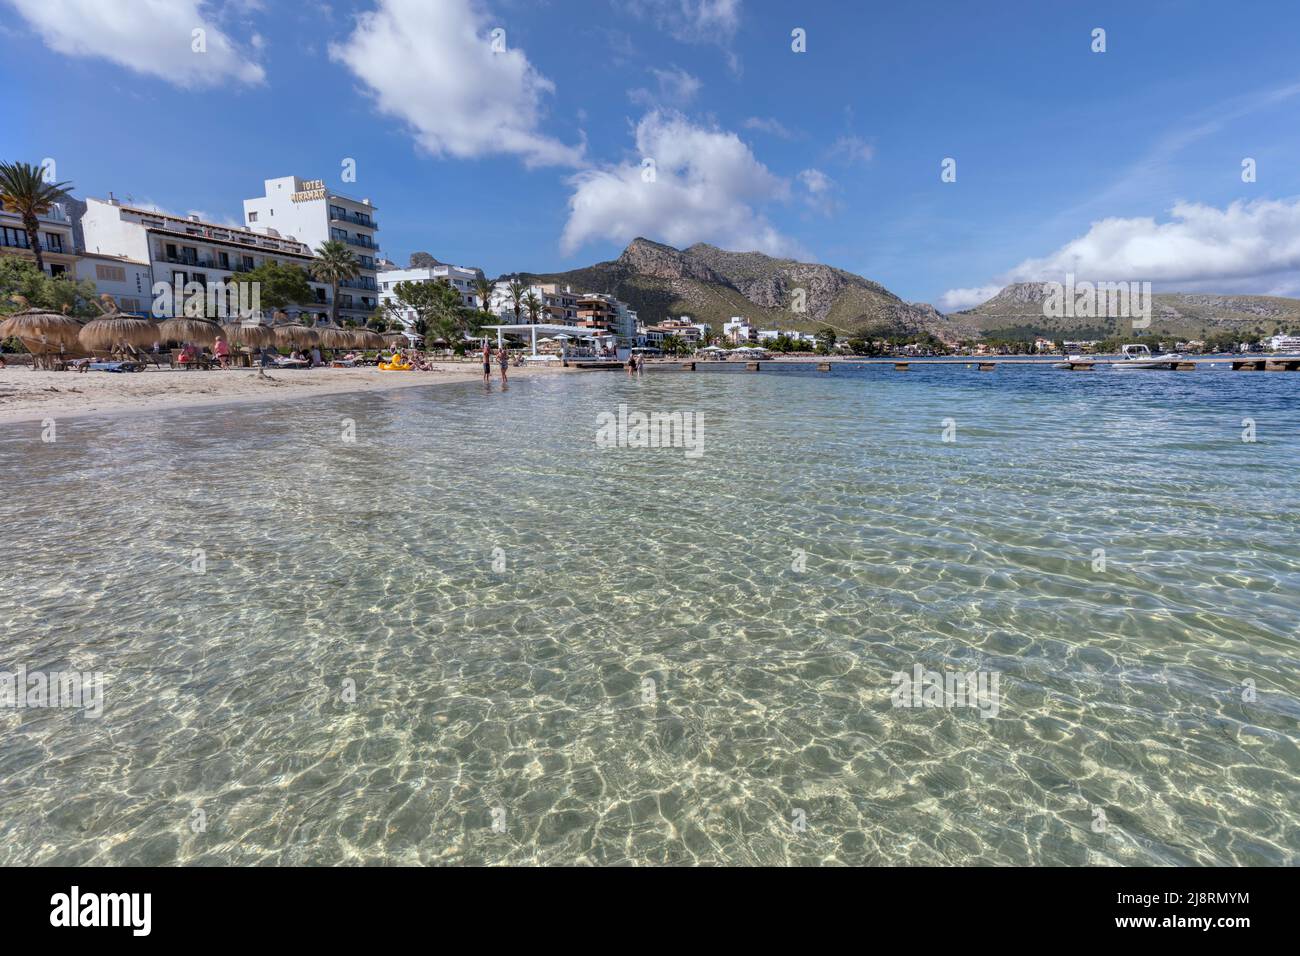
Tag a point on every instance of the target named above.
point(362, 241)
point(199, 263)
point(20, 242)
point(355, 218)
point(366, 284)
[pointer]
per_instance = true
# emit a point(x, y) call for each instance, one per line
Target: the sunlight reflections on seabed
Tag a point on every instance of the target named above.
point(472, 635)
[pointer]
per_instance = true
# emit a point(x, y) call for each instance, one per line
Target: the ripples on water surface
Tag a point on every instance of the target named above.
point(525, 692)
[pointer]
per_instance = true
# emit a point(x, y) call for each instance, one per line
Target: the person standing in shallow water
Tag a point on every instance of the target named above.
point(487, 364)
point(631, 365)
point(503, 359)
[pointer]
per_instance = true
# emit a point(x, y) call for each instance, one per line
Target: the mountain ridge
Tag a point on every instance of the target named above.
point(712, 284)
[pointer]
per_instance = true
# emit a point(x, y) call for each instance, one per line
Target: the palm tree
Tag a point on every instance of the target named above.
point(23, 190)
point(534, 305)
point(484, 286)
point(518, 290)
point(334, 263)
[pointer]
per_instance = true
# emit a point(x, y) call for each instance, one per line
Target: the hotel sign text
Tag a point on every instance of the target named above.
point(311, 189)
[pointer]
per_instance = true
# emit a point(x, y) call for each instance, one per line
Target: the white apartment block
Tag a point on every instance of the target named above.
point(184, 250)
point(460, 278)
point(312, 213)
point(54, 234)
point(560, 304)
point(1285, 343)
point(768, 335)
point(738, 331)
point(128, 281)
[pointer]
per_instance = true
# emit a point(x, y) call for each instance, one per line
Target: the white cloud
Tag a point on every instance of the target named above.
point(852, 149)
point(815, 181)
point(676, 88)
point(154, 37)
point(694, 21)
point(706, 187)
point(1200, 243)
point(431, 64)
point(768, 125)
point(1248, 247)
point(954, 300)
point(820, 191)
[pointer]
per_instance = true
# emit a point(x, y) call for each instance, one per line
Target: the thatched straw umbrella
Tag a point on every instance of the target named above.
point(114, 331)
point(189, 329)
point(293, 335)
point(42, 332)
point(253, 335)
point(367, 339)
point(334, 337)
point(396, 338)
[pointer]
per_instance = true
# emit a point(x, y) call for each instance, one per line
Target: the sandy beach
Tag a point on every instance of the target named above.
point(27, 395)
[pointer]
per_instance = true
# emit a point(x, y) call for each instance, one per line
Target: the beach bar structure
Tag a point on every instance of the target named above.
point(542, 330)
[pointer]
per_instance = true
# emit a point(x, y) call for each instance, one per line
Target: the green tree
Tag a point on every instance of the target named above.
point(518, 290)
point(23, 190)
point(483, 287)
point(279, 285)
point(22, 277)
point(439, 311)
point(534, 305)
point(825, 339)
point(335, 263)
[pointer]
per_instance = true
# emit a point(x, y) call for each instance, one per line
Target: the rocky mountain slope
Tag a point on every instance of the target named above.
point(1017, 311)
point(712, 285)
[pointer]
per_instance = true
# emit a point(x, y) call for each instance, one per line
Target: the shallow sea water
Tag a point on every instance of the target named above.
point(566, 654)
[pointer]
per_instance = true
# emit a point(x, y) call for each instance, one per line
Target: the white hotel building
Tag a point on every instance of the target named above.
point(458, 277)
point(54, 232)
point(122, 241)
point(312, 213)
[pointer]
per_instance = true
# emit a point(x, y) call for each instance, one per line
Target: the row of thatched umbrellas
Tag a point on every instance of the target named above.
point(50, 333)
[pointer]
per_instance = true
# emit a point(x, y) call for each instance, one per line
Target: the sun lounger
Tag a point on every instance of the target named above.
point(117, 366)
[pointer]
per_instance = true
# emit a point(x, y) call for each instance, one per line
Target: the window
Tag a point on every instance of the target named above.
point(248, 263)
point(110, 273)
point(252, 217)
point(54, 241)
point(224, 259)
point(15, 237)
point(131, 305)
point(57, 270)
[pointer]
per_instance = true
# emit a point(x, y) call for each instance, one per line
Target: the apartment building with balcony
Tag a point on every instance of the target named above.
point(683, 328)
point(599, 310)
point(312, 213)
point(739, 331)
point(183, 250)
point(54, 234)
point(559, 305)
point(460, 278)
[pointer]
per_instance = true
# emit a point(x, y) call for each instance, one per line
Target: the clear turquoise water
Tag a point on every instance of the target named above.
point(519, 698)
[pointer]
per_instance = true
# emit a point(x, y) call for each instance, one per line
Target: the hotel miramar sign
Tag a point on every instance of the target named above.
point(311, 189)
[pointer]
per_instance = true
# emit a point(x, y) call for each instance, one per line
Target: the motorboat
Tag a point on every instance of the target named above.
point(1139, 357)
point(1075, 362)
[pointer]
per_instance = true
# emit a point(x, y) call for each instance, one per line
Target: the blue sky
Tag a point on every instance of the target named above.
point(1117, 165)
